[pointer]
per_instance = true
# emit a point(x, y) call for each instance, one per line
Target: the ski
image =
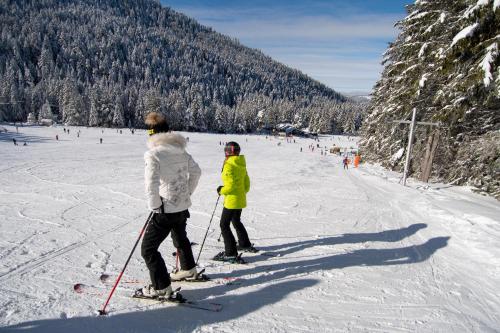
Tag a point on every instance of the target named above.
point(250, 249)
point(178, 299)
point(235, 260)
point(200, 277)
point(254, 250)
point(95, 290)
point(81, 288)
point(229, 281)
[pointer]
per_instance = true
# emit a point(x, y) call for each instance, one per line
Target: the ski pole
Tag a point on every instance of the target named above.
point(218, 239)
point(103, 310)
point(206, 233)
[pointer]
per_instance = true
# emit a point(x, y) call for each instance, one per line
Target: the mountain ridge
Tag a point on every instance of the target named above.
point(107, 63)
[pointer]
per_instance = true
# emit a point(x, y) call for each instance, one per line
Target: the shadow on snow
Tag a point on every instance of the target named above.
point(394, 235)
point(22, 138)
point(274, 277)
point(169, 318)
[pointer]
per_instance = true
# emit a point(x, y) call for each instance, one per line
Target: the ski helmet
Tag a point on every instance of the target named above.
point(156, 122)
point(232, 149)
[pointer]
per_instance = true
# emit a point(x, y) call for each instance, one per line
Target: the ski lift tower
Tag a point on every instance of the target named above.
point(433, 144)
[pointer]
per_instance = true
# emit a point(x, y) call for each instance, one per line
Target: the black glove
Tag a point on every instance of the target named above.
point(218, 189)
point(158, 210)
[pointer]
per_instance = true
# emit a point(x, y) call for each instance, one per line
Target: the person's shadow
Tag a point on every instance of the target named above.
point(170, 318)
point(394, 235)
point(364, 257)
point(273, 281)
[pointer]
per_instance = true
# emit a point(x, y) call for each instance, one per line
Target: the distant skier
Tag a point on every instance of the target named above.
point(25, 144)
point(236, 184)
point(57, 137)
point(171, 176)
point(345, 161)
point(15, 142)
point(100, 140)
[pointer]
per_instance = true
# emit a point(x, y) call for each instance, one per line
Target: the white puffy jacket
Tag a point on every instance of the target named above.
point(171, 173)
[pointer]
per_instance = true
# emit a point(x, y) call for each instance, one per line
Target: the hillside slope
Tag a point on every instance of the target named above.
point(106, 63)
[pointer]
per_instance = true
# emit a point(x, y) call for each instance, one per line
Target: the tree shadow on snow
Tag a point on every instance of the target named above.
point(21, 138)
point(394, 235)
point(170, 318)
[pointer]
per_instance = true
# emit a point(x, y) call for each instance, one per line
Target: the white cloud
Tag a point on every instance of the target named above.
point(343, 52)
point(265, 24)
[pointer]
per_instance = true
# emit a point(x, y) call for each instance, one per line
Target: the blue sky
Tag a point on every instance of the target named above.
point(337, 42)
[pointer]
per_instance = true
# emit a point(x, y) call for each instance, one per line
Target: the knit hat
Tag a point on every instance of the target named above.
point(156, 123)
point(232, 149)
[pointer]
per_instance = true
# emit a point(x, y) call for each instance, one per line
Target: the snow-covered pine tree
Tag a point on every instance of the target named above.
point(45, 112)
point(444, 63)
point(72, 104)
point(118, 119)
point(31, 119)
point(469, 102)
point(94, 113)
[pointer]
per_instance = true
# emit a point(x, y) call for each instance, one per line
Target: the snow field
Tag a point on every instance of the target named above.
point(348, 250)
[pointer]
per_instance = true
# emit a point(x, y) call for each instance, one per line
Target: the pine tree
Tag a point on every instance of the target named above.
point(444, 63)
point(118, 119)
point(45, 112)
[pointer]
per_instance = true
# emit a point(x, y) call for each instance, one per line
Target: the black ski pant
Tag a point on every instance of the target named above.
point(158, 229)
point(228, 216)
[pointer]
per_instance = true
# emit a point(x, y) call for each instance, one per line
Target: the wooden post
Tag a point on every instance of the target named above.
point(430, 150)
point(431, 145)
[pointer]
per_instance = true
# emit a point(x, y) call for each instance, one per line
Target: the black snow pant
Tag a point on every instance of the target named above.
point(228, 216)
point(158, 229)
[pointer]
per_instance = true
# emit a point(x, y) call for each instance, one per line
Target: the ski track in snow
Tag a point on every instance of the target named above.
point(373, 255)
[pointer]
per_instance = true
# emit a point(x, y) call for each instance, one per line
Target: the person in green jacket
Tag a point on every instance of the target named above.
point(236, 185)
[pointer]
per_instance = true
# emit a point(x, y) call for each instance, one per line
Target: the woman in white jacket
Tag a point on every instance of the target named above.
point(171, 176)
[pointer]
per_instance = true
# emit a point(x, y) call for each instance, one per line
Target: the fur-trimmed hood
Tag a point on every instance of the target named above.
point(167, 139)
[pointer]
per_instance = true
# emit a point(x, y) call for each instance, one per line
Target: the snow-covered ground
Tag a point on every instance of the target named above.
point(352, 250)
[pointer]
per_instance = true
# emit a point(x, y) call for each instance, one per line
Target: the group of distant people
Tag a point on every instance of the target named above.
point(15, 142)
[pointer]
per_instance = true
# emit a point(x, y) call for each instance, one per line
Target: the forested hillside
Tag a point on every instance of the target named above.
point(445, 63)
point(108, 62)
